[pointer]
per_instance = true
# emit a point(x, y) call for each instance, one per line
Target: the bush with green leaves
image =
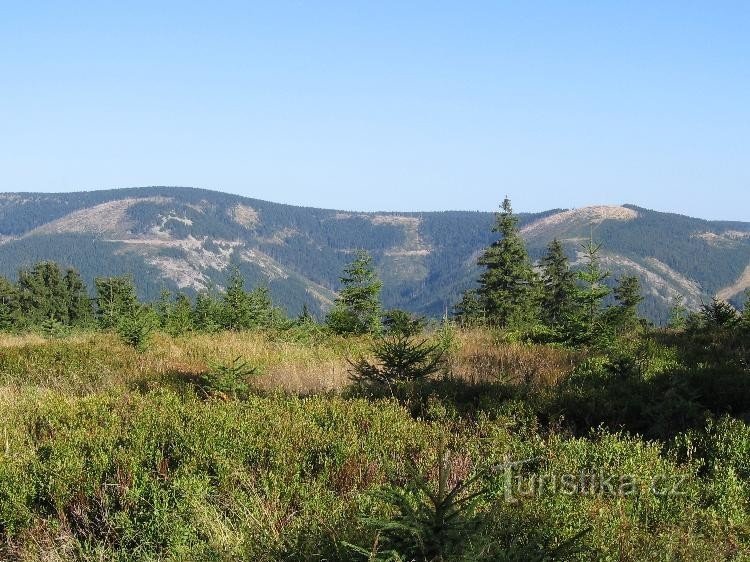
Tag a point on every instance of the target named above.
point(159, 474)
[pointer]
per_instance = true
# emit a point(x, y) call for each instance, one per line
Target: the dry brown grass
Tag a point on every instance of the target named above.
point(294, 366)
point(483, 357)
point(88, 362)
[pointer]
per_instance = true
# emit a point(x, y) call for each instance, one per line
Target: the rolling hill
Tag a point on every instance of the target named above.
point(189, 239)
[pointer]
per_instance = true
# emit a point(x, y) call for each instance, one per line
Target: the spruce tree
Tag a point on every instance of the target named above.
point(262, 312)
point(80, 311)
point(244, 310)
point(627, 295)
point(586, 324)
point(357, 307)
point(719, 315)
point(43, 294)
point(175, 316)
point(163, 307)
point(10, 310)
point(207, 313)
point(115, 300)
point(235, 304)
point(469, 310)
point(508, 290)
point(181, 320)
point(678, 313)
point(559, 285)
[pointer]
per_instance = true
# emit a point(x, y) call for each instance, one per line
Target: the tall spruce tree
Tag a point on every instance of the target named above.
point(236, 314)
point(357, 308)
point(508, 290)
point(43, 294)
point(559, 285)
point(207, 313)
point(627, 293)
point(80, 311)
point(115, 300)
point(586, 324)
point(263, 314)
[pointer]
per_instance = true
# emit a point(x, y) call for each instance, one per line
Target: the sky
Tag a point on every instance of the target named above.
point(384, 105)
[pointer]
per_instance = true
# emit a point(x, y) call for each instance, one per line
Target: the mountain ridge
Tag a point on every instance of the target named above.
point(183, 238)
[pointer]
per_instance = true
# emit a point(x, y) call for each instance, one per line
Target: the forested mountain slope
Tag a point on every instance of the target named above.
point(190, 239)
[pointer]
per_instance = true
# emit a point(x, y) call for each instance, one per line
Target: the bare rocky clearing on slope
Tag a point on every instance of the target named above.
point(105, 218)
point(736, 288)
point(586, 215)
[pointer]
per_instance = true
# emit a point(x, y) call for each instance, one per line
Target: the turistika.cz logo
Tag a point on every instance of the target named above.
point(519, 482)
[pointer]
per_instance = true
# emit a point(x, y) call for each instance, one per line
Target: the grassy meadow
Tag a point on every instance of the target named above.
point(107, 453)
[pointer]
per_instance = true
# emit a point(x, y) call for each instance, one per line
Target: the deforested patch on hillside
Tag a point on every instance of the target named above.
point(183, 273)
point(409, 222)
point(183, 261)
point(737, 287)
point(414, 245)
point(279, 237)
point(106, 218)
point(267, 264)
point(578, 217)
point(325, 297)
point(244, 215)
point(659, 280)
point(726, 239)
point(684, 286)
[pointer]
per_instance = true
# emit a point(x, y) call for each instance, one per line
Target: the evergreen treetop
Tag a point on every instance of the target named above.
point(508, 290)
point(357, 307)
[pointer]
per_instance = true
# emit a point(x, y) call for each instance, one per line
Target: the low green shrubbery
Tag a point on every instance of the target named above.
point(163, 476)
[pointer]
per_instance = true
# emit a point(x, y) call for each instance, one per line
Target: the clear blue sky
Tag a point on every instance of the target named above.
point(384, 105)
